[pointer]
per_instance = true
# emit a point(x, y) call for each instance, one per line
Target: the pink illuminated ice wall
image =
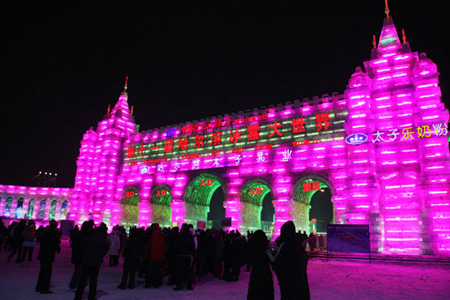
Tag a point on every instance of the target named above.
point(381, 148)
point(96, 188)
point(400, 180)
point(395, 179)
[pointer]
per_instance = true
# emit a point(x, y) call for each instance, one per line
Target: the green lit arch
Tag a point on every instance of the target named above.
point(201, 195)
point(161, 200)
point(134, 201)
point(298, 195)
point(247, 196)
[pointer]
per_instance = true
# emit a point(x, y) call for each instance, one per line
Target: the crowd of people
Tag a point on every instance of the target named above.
point(184, 255)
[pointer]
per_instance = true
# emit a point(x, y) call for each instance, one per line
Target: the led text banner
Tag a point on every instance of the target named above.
point(250, 133)
point(410, 133)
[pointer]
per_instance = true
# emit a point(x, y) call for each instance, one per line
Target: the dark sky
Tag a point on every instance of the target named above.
point(62, 64)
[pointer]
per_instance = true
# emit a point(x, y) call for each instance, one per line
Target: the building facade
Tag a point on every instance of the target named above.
point(381, 148)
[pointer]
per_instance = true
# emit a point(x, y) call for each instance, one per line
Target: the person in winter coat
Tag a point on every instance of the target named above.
point(290, 265)
point(312, 241)
point(3, 233)
point(238, 256)
point(29, 237)
point(49, 246)
point(76, 240)
point(172, 246)
point(114, 246)
point(260, 286)
point(17, 241)
point(185, 253)
point(218, 254)
point(93, 249)
point(155, 251)
point(132, 255)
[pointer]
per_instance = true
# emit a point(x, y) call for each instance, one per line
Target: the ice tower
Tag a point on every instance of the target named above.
point(402, 174)
point(99, 163)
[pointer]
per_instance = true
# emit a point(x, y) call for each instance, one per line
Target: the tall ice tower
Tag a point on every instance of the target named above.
point(99, 164)
point(397, 103)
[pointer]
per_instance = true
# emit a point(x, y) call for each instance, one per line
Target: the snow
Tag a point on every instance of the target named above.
point(327, 280)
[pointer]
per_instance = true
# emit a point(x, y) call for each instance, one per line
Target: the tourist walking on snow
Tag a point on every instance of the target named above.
point(17, 241)
point(77, 238)
point(132, 255)
point(290, 265)
point(93, 250)
point(29, 237)
point(155, 252)
point(114, 246)
point(49, 246)
point(185, 255)
point(260, 286)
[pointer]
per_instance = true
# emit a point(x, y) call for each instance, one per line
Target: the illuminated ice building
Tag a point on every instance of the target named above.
point(381, 148)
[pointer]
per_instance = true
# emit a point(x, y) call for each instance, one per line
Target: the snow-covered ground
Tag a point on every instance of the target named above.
point(332, 280)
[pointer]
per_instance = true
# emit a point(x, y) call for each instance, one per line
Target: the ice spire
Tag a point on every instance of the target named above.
point(389, 41)
point(121, 109)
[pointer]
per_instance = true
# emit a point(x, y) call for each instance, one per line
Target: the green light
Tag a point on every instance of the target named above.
point(200, 194)
point(247, 195)
point(387, 41)
point(161, 200)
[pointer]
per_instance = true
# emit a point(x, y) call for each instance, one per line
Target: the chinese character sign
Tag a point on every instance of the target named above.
point(410, 133)
point(244, 134)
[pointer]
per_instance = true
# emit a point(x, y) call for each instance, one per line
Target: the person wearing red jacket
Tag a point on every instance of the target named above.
point(155, 251)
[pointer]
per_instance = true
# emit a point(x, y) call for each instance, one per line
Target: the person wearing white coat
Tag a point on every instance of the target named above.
point(114, 246)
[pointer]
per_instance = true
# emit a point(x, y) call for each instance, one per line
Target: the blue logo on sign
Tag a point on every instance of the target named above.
point(144, 169)
point(356, 138)
point(171, 132)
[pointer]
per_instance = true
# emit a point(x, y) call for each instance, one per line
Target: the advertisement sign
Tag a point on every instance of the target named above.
point(348, 238)
point(356, 138)
point(201, 224)
point(225, 222)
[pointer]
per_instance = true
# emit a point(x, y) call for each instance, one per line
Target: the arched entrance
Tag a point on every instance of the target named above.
point(63, 211)
point(198, 195)
point(52, 212)
point(8, 207)
point(19, 208)
point(252, 195)
point(161, 211)
point(130, 207)
point(216, 210)
point(30, 210)
point(311, 197)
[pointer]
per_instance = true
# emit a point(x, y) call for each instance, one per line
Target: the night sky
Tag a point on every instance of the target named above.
point(62, 64)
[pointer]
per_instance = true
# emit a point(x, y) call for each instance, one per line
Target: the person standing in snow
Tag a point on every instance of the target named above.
point(132, 255)
point(49, 246)
point(114, 246)
point(290, 265)
point(93, 250)
point(260, 286)
point(29, 237)
point(155, 252)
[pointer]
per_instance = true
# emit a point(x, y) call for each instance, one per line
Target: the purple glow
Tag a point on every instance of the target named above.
point(394, 179)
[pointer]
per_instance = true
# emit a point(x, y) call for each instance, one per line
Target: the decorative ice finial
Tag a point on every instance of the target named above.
point(126, 85)
point(131, 113)
point(374, 42)
point(386, 10)
point(109, 109)
point(403, 36)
